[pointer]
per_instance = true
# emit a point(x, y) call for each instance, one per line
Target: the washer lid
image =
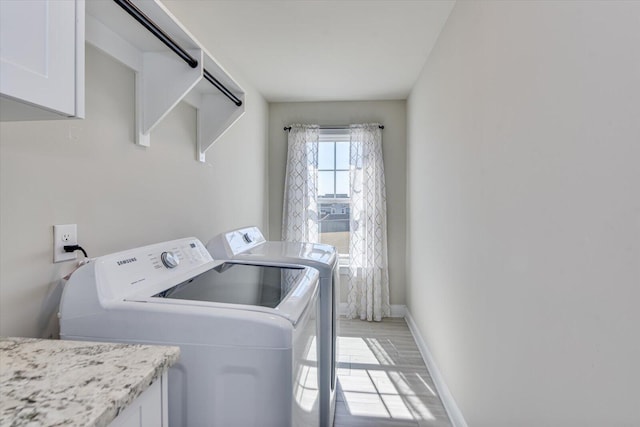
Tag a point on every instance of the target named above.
point(231, 283)
point(279, 290)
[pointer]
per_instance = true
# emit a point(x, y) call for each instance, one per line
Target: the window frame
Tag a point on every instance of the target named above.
point(334, 136)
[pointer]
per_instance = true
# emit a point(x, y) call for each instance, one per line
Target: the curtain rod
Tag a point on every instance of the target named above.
point(154, 29)
point(288, 128)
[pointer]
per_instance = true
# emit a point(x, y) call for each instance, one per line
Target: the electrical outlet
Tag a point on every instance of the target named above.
point(64, 235)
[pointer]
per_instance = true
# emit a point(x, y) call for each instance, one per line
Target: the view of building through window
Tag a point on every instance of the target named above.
point(333, 190)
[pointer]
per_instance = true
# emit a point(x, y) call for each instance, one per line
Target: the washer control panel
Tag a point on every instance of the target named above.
point(144, 270)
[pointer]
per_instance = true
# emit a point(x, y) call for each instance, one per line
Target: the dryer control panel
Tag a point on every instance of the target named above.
point(235, 242)
point(144, 271)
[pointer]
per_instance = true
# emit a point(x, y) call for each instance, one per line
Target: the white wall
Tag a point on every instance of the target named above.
point(393, 116)
point(524, 214)
point(121, 195)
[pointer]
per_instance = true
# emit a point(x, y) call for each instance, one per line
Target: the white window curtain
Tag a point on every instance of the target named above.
point(368, 296)
point(300, 210)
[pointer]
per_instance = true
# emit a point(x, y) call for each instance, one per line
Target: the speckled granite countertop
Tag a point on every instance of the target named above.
point(74, 383)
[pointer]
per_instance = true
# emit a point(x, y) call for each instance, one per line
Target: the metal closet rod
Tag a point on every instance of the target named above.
point(288, 128)
point(154, 29)
point(221, 88)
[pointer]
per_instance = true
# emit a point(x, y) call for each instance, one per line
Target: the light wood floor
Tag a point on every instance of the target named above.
point(382, 379)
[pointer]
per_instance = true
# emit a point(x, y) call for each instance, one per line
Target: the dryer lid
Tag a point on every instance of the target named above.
point(249, 244)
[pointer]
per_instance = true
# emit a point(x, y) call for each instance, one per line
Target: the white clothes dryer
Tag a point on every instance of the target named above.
point(247, 333)
point(249, 245)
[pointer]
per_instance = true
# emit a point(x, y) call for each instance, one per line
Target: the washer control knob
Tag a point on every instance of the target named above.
point(169, 259)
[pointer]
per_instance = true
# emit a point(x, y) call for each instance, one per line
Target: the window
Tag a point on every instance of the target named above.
point(333, 189)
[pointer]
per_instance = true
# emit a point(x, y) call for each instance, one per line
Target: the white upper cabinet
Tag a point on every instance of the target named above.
point(41, 59)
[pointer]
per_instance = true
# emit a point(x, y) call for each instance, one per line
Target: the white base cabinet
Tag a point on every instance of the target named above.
point(148, 410)
point(41, 59)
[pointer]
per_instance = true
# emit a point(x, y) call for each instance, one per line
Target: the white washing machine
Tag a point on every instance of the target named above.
point(247, 333)
point(248, 245)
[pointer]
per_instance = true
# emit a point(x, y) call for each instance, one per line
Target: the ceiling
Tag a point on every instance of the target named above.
point(303, 50)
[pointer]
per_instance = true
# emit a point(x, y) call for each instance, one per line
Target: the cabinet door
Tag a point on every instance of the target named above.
point(38, 53)
point(147, 409)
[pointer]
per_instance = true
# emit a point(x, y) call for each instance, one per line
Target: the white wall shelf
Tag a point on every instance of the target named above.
point(163, 79)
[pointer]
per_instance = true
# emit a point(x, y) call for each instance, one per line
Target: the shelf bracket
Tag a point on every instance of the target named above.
point(163, 82)
point(214, 119)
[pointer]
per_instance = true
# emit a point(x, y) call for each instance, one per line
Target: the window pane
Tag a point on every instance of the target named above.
point(342, 184)
point(334, 226)
point(342, 155)
point(325, 155)
point(325, 184)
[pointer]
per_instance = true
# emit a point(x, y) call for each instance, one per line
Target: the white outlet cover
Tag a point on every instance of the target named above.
point(63, 235)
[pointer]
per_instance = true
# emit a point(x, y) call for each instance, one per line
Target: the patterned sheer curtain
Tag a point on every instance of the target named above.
point(300, 210)
point(368, 296)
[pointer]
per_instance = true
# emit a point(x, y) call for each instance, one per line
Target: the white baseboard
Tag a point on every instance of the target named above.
point(443, 391)
point(397, 310)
